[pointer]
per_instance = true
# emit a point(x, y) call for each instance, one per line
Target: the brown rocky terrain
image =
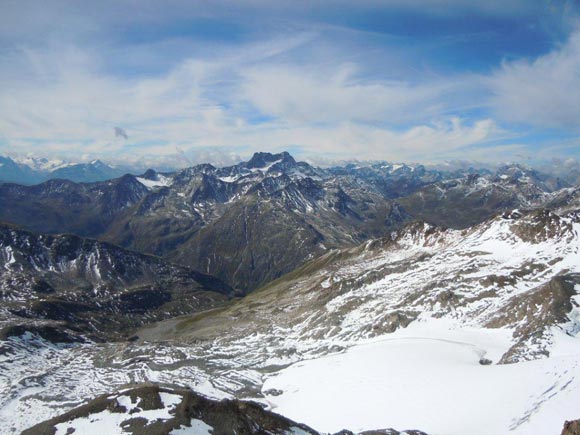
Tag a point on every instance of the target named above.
point(163, 410)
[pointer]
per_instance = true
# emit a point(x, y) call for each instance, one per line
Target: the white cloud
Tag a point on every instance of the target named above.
point(307, 95)
point(64, 102)
point(352, 140)
point(544, 92)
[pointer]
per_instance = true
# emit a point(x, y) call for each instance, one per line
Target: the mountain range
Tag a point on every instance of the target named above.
point(301, 289)
point(250, 223)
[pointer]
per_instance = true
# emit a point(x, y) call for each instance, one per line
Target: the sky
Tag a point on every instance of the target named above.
point(398, 80)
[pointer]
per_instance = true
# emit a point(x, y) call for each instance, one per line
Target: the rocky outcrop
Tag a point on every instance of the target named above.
point(163, 410)
point(534, 313)
point(571, 428)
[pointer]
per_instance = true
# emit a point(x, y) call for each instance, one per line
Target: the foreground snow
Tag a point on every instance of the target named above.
point(429, 377)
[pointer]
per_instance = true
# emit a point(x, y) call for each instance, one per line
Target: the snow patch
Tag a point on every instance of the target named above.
point(197, 427)
point(267, 167)
point(230, 179)
point(161, 181)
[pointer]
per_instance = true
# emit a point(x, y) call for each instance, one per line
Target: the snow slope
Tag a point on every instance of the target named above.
point(428, 376)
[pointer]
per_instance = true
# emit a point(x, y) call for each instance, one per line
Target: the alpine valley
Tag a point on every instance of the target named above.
point(276, 297)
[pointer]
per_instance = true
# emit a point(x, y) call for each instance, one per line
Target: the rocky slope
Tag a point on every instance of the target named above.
point(253, 222)
point(68, 288)
point(516, 271)
point(571, 428)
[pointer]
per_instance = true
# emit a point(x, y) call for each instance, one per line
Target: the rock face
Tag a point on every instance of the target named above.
point(252, 222)
point(534, 312)
point(65, 287)
point(164, 410)
point(571, 428)
point(62, 206)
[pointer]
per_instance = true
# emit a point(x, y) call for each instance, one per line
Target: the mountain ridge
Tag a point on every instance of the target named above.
point(69, 288)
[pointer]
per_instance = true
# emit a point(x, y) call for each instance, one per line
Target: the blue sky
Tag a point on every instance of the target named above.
point(401, 80)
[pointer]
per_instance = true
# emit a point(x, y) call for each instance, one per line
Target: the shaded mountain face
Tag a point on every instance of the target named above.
point(67, 288)
point(61, 206)
point(250, 223)
point(164, 410)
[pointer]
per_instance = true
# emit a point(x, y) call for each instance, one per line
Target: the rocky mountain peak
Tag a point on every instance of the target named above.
point(150, 174)
point(261, 160)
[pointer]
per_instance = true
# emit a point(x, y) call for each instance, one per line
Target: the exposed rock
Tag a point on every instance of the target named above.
point(250, 223)
point(159, 410)
point(571, 428)
point(534, 313)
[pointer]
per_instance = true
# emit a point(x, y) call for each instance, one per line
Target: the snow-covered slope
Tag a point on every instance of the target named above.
point(501, 292)
point(471, 276)
point(429, 375)
point(41, 164)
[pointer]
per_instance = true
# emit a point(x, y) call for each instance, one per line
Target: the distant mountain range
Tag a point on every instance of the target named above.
point(33, 170)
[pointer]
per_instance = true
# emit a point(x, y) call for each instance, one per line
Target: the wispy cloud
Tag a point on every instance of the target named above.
point(542, 92)
point(336, 94)
point(249, 97)
point(305, 78)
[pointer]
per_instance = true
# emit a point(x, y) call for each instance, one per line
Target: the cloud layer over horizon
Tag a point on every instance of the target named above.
point(395, 80)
